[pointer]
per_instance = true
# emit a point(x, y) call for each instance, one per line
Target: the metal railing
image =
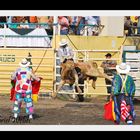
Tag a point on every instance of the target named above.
point(135, 66)
point(56, 27)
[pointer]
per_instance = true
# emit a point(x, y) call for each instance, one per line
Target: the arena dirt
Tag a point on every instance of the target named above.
point(59, 112)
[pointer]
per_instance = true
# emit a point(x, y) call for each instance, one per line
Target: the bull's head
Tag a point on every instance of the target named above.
point(70, 65)
point(67, 68)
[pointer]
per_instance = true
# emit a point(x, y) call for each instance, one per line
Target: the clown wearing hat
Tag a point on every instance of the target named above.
point(23, 88)
point(123, 90)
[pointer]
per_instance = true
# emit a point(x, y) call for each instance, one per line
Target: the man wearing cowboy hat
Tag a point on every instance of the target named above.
point(123, 90)
point(23, 88)
point(65, 52)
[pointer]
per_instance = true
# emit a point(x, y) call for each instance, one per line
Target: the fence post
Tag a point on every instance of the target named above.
point(54, 26)
point(4, 35)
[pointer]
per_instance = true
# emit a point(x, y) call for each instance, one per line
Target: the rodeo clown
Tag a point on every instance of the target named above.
point(23, 88)
point(123, 90)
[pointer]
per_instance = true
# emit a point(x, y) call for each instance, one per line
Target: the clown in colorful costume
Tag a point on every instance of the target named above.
point(23, 88)
point(123, 89)
point(129, 87)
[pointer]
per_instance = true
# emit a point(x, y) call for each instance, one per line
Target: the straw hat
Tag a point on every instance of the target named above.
point(123, 68)
point(63, 42)
point(24, 63)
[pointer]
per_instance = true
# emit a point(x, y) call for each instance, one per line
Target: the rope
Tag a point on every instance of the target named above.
point(120, 46)
point(40, 61)
point(74, 44)
point(42, 58)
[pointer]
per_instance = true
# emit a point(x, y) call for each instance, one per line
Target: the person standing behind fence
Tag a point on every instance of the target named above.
point(33, 20)
point(23, 88)
point(138, 24)
point(91, 25)
point(128, 25)
point(64, 25)
point(107, 65)
point(74, 24)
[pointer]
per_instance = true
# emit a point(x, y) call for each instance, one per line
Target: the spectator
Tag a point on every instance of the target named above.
point(74, 24)
point(64, 25)
point(107, 65)
point(24, 25)
point(3, 19)
point(42, 19)
point(123, 90)
point(9, 21)
point(134, 23)
point(80, 30)
point(33, 20)
point(23, 88)
point(50, 20)
point(47, 24)
point(138, 24)
point(27, 18)
point(49, 28)
point(91, 25)
point(19, 18)
point(98, 20)
point(14, 22)
point(128, 25)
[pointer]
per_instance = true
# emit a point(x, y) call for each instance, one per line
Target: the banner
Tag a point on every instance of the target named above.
point(37, 37)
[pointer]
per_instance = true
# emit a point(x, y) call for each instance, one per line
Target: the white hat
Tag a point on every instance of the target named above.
point(24, 63)
point(123, 68)
point(63, 42)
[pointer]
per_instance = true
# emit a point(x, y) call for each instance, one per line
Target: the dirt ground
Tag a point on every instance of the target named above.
point(61, 112)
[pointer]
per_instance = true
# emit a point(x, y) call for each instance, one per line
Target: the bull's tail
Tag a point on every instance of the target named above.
point(104, 75)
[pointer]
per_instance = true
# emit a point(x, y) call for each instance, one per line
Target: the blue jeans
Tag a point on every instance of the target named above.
point(64, 32)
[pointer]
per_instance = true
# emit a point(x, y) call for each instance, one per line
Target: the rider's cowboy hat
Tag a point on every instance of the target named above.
point(63, 42)
point(123, 68)
point(24, 63)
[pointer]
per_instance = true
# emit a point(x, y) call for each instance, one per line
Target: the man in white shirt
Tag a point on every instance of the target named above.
point(65, 52)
